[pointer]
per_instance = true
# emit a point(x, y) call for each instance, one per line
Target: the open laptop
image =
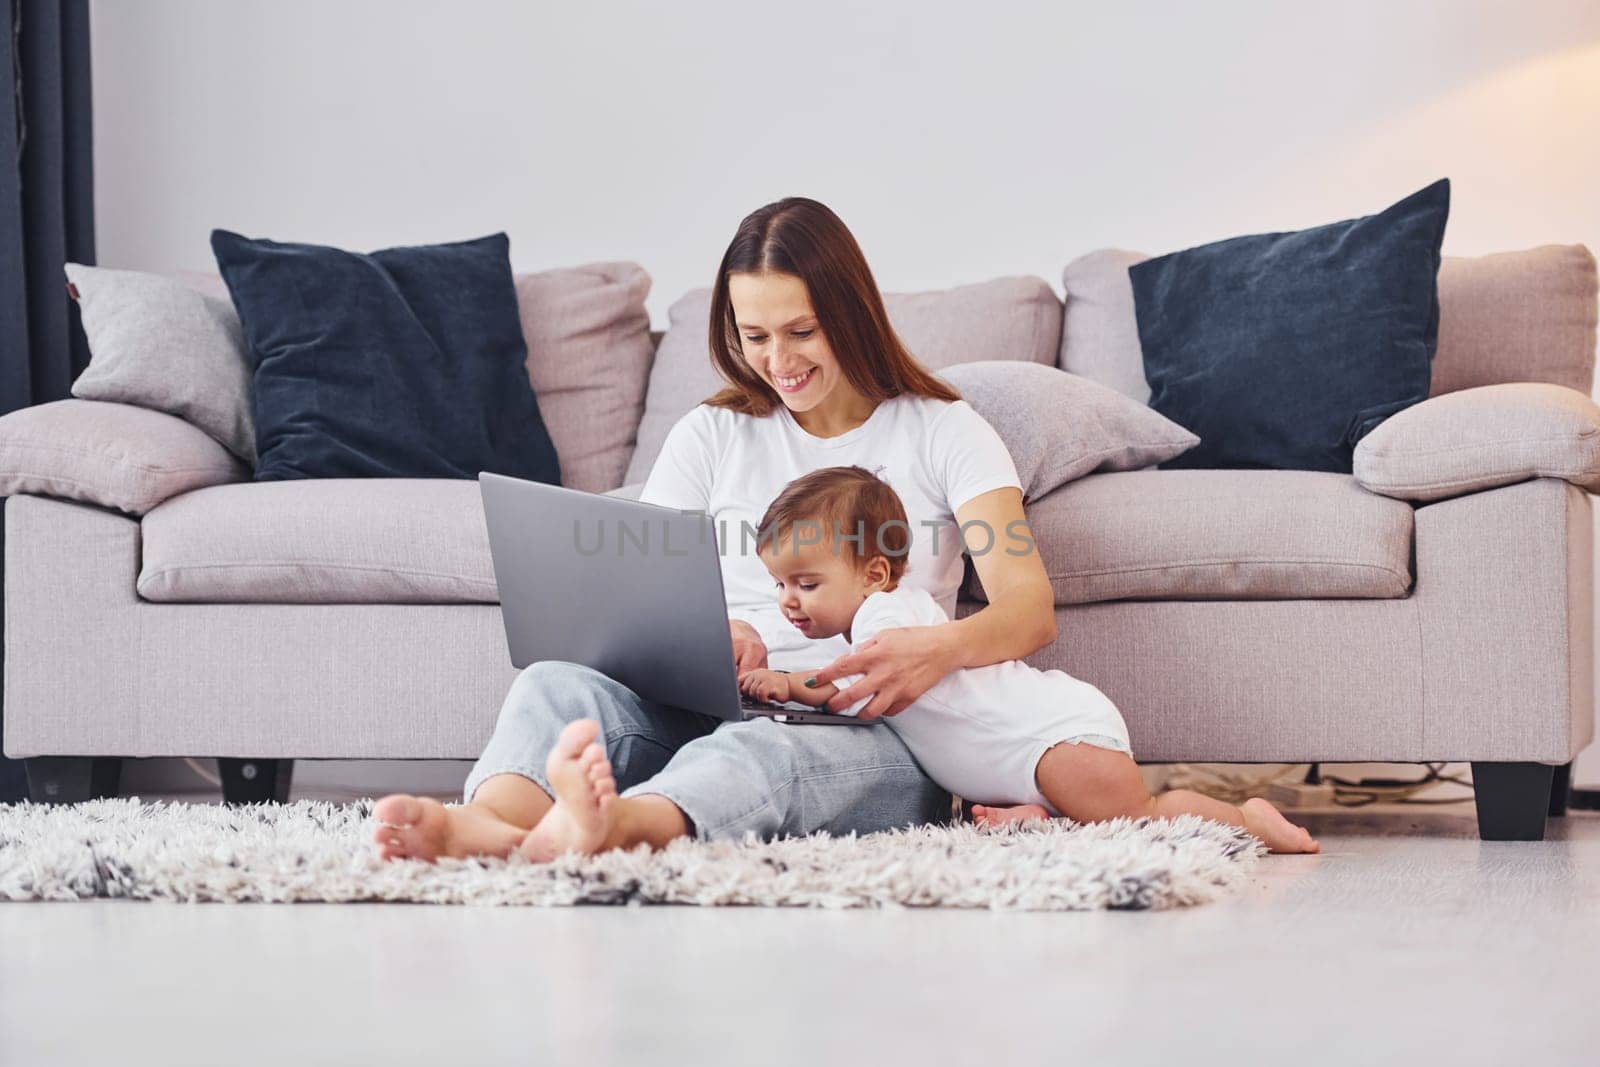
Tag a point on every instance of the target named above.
point(633, 590)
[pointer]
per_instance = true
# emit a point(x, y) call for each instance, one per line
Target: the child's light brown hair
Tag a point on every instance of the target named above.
point(848, 506)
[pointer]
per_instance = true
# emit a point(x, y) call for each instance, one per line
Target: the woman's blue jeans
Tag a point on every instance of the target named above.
point(728, 778)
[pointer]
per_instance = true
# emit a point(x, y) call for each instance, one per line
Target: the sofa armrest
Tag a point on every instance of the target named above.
point(1461, 442)
point(115, 455)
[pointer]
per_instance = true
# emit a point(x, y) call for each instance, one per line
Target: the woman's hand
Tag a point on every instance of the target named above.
point(763, 684)
point(749, 651)
point(900, 665)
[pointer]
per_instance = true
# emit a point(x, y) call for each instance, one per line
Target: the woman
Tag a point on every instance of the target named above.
point(816, 378)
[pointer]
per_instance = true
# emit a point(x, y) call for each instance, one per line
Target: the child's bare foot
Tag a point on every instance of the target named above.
point(984, 815)
point(1268, 823)
point(420, 828)
point(585, 794)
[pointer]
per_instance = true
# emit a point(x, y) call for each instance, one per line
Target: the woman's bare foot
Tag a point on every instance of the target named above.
point(585, 795)
point(420, 828)
point(1280, 835)
point(984, 815)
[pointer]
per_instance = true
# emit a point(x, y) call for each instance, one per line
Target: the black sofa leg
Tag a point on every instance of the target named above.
point(72, 779)
point(1560, 789)
point(1513, 800)
point(256, 781)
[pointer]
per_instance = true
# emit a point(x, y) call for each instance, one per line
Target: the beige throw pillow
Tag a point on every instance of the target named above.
point(157, 343)
point(114, 455)
point(1479, 438)
point(1059, 427)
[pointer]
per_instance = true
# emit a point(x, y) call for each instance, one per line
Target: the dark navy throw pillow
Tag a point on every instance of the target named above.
point(404, 363)
point(1282, 350)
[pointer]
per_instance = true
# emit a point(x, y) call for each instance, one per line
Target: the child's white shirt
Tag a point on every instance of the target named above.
point(980, 731)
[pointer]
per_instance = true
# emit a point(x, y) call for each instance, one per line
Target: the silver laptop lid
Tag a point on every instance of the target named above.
point(633, 590)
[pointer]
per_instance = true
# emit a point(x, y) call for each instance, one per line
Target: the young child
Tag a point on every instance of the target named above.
point(1036, 742)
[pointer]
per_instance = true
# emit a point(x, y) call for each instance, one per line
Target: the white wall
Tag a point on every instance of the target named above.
point(958, 143)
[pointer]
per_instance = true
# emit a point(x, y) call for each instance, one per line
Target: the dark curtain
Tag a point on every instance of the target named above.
point(46, 216)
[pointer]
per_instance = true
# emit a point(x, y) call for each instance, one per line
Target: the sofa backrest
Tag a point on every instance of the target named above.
point(1517, 317)
point(1017, 318)
point(1509, 317)
point(589, 353)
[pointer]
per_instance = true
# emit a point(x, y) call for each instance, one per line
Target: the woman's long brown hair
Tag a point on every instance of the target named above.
point(802, 237)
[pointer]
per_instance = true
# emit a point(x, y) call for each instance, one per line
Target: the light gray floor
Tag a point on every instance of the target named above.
point(1407, 940)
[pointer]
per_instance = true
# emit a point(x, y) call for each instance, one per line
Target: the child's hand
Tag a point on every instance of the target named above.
point(763, 684)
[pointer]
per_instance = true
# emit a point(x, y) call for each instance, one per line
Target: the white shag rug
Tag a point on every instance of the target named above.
point(313, 851)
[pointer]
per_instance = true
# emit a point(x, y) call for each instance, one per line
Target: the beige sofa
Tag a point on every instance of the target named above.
point(166, 606)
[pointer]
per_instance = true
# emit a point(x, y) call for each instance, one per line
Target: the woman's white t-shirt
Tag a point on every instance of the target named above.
point(936, 454)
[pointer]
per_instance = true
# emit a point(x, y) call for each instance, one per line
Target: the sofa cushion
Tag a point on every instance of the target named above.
point(1007, 318)
point(400, 363)
point(589, 353)
point(1059, 426)
point(1099, 328)
point(1481, 438)
point(157, 343)
point(1517, 317)
point(1281, 350)
point(114, 455)
point(1220, 535)
point(321, 541)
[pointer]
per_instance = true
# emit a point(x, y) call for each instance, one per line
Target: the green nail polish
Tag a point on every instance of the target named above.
point(811, 683)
